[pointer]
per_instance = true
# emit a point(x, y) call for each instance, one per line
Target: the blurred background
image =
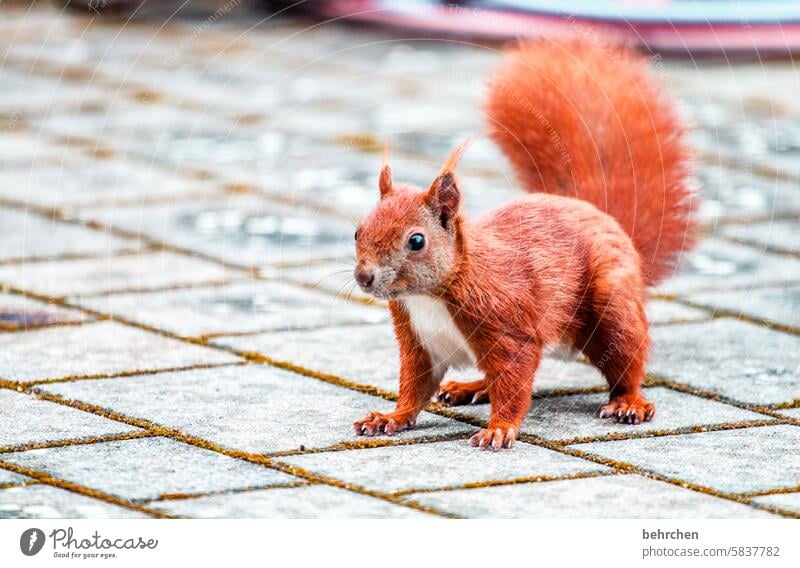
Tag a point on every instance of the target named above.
point(179, 187)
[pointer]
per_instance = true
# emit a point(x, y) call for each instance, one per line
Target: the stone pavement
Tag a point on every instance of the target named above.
point(181, 337)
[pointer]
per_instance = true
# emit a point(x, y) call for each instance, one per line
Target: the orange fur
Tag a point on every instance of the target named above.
point(595, 132)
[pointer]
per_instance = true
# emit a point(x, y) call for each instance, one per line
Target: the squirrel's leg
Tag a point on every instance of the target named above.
point(454, 393)
point(510, 382)
point(617, 345)
point(418, 382)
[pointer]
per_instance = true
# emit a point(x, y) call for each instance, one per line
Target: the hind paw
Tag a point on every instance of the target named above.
point(453, 393)
point(633, 409)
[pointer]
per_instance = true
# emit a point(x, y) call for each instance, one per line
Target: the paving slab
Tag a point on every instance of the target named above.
point(147, 468)
point(243, 229)
point(112, 181)
point(781, 236)
point(736, 359)
point(779, 305)
point(26, 235)
point(718, 265)
point(440, 464)
point(9, 477)
point(26, 419)
point(133, 272)
point(47, 502)
point(607, 497)
point(730, 194)
point(308, 502)
point(236, 154)
point(375, 359)
point(101, 348)
point(787, 501)
point(733, 461)
point(235, 308)
point(255, 408)
point(573, 416)
point(21, 313)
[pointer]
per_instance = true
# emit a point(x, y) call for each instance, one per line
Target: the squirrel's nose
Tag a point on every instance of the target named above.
point(365, 277)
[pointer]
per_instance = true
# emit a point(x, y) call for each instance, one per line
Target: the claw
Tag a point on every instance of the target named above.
point(509, 439)
point(497, 442)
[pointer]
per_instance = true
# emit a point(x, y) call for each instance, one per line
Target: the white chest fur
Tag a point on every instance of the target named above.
point(438, 333)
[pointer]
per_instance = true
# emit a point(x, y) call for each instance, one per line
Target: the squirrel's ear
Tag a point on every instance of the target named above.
point(385, 178)
point(444, 197)
point(445, 192)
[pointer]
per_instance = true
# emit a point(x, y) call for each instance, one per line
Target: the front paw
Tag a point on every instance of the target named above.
point(494, 438)
point(376, 423)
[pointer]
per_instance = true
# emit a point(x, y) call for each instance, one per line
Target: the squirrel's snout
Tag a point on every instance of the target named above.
point(365, 277)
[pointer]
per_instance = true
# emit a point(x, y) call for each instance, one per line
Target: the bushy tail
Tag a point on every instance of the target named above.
point(589, 121)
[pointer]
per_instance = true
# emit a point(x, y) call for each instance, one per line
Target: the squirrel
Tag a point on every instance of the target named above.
point(592, 137)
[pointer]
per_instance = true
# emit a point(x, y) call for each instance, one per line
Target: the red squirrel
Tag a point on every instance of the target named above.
point(593, 138)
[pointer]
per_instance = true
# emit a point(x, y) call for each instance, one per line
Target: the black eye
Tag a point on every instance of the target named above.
point(355, 237)
point(416, 241)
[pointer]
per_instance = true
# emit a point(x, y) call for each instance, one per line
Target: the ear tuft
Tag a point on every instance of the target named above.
point(385, 177)
point(445, 192)
point(455, 156)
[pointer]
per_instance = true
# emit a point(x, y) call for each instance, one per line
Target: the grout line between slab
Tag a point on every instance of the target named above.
point(122, 374)
point(362, 443)
point(77, 257)
point(723, 313)
point(25, 329)
point(502, 482)
point(13, 485)
point(192, 496)
point(69, 442)
point(766, 247)
point(693, 429)
point(774, 491)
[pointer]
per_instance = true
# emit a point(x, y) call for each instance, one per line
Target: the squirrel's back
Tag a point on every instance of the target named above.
point(589, 121)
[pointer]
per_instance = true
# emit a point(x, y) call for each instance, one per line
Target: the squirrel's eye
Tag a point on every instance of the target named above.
point(355, 237)
point(416, 241)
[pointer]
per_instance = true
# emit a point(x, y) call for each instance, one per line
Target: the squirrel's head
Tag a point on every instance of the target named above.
point(411, 243)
